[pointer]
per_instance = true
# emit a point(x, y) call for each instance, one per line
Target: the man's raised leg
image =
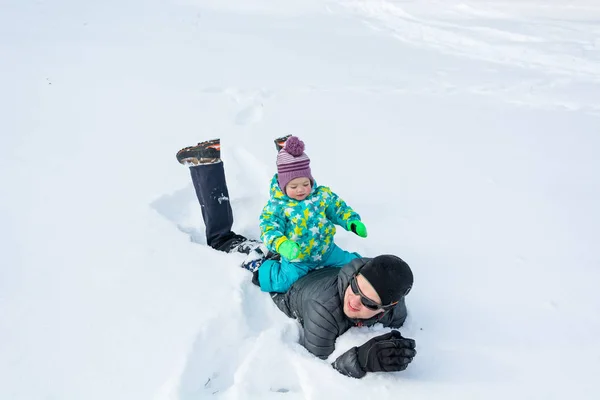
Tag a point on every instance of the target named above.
point(213, 196)
point(208, 177)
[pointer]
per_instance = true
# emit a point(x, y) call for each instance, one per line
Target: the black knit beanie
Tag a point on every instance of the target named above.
point(390, 276)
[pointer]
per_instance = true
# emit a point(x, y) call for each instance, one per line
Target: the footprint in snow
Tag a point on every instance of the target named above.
point(232, 352)
point(250, 115)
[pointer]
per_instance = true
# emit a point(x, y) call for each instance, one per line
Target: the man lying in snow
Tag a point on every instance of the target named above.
point(328, 301)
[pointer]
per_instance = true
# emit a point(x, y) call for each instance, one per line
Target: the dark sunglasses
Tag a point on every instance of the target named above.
point(367, 302)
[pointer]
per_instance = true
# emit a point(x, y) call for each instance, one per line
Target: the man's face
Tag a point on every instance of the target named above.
point(353, 307)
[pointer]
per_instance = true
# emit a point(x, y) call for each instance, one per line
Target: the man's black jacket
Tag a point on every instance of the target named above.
point(316, 300)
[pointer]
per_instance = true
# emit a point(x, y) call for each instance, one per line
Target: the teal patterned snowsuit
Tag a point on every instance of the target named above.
point(309, 223)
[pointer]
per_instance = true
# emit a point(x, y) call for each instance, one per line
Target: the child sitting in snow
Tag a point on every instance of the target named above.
point(298, 222)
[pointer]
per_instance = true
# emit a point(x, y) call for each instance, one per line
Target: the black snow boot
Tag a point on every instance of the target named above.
point(280, 142)
point(203, 153)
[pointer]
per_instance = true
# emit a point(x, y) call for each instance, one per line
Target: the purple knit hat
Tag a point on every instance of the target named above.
point(292, 162)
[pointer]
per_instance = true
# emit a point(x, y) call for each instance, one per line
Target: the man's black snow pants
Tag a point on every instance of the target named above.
point(213, 196)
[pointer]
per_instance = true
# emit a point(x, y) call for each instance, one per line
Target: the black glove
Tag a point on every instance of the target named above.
point(388, 352)
point(255, 278)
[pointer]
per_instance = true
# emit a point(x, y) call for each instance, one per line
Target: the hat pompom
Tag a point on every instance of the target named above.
point(294, 146)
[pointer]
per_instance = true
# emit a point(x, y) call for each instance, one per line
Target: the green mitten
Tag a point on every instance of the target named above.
point(358, 228)
point(289, 249)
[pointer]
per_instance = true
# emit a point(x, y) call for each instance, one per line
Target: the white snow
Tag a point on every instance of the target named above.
point(465, 133)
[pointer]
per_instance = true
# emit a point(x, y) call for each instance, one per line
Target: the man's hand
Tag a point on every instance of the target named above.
point(358, 228)
point(289, 249)
point(388, 352)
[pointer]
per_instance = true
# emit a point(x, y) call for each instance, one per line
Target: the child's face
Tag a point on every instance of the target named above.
point(298, 188)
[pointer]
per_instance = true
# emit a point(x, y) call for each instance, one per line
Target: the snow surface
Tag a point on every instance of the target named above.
point(464, 132)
